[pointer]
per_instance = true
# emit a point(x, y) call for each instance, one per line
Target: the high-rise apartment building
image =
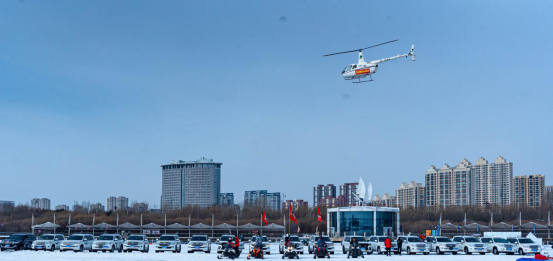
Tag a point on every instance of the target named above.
point(62, 207)
point(6, 206)
point(117, 203)
point(298, 203)
point(190, 183)
point(348, 192)
point(139, 207)
point(410, 195)
point(492, 182)
point(262, 198)
point(226, 199)
point(467, 184)
point(40, 203)
point(324, 194)
point(529, 190)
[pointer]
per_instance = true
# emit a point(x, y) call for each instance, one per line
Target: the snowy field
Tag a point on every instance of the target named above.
point(152, 256)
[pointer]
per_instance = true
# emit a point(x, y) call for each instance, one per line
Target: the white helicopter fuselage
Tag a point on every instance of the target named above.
point(363, 69)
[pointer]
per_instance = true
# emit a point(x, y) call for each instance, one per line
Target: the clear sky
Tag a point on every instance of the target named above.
point(96, 95)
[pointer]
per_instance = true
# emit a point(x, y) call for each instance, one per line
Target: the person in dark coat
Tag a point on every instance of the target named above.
point(388, 246)
point(399, 243)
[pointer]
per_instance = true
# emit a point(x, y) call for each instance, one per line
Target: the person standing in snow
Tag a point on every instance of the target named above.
point(399, 243)
point(388, 246)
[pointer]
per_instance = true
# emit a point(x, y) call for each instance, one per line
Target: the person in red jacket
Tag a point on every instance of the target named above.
point(422, 237)
point(388, 246)
point(237, 246)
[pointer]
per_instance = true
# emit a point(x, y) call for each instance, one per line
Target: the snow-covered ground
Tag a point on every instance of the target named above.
point(152, 256)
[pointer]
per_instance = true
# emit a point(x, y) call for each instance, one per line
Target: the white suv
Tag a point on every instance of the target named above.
point(168, 243)
point(442, 245)
point(377, 243)
point(498, 245)
point(524, 245)
point(413, 245)
point(48, 242)
point(136, 243)
point(469, 245)
point(363, 243)
point(108, 242)
point(77, 243)
point(294, 240)
point(199, 243)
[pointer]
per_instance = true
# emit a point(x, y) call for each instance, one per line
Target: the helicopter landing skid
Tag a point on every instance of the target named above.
point(364, 81)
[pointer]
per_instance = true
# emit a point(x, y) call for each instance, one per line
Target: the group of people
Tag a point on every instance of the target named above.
point(388, 244)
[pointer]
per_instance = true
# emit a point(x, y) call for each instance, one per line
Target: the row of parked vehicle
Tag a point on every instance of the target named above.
point(441, 245)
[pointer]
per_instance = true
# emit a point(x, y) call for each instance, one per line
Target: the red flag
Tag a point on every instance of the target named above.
point(265, 219)
point(291, 215)
point(319, 217)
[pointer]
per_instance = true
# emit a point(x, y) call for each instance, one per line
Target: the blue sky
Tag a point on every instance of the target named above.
point(96, 95)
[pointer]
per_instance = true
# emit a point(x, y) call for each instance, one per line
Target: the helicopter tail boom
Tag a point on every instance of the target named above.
point(411, 53)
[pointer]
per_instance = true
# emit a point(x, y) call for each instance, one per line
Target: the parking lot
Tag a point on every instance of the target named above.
point(151, 256)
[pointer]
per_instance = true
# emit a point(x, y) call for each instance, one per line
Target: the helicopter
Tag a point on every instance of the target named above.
point(362, 69)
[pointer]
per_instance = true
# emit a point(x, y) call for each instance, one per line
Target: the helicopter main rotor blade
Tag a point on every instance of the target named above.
point(358, 50)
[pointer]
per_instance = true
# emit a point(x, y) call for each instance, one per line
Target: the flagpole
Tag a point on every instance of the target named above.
point(54, 222)
point(289, 219)
point(117, 223)
point(261, 223)
point(93, 219)
point(69, 226)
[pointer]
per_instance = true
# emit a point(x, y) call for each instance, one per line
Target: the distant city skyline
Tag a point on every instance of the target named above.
point(93, 108)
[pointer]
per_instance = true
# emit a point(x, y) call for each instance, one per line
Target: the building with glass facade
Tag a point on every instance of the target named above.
point(362, 220)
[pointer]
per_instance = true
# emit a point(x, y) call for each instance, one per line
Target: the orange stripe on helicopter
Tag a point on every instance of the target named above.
point(362, 71)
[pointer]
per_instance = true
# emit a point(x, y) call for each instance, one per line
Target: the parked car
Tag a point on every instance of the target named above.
point(413, 245)
point(377, 242)
point(49, 242)
point(470, 244)
point(77, 243)
point(136, 243)
point(266, 245)
point(498, 245)
point(18, 241)
point(313, 240)
point(442, 245)
point(524, 245)
point(295, 240)
point(363, 243)
point(169, 243)
point(199, 243)
point(108, 242)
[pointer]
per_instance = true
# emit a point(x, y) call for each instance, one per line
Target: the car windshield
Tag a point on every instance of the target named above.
point(525, 241)
point(511, 240)
point(381, 239)
point(105, 237)
point(359, 239)
point(292, 238)
point(224, 238)
point(75, 237)
point(16, 237)
point(135, 238)
point(199, 238)
point(443, 239)
point(471, 239)
point(167, 238)
point(324, 239)
point(264, 239)
point(415, 239)
point(46, 237)
point(499, 240)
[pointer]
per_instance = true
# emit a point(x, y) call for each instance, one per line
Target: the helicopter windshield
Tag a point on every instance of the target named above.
point(347, 69)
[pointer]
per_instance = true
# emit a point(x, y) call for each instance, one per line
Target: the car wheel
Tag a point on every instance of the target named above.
point(157, 251)
point(112, 249)
point(344, 250)
point(494, 251)
point(438, 251)
point(81, 249)
point(409, 251)
point(467, 251)
point(482, 253)
point(521, 252)
point(120, 248)
point(454, 253)
point(53, 248)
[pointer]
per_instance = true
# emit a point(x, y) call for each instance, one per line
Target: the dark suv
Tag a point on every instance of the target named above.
point(18, 241)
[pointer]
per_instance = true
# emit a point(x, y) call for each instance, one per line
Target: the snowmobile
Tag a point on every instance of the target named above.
point(257, 252)
point(355, 251)
point(229, 252)
point(290, 252)
point(321, 251)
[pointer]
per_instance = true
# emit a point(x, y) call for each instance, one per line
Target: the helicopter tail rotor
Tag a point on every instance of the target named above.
point(412, 52)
